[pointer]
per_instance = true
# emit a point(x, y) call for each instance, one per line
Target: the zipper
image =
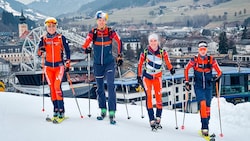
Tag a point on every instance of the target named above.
point(203, 75)
point(102, 51)
point(53, 55)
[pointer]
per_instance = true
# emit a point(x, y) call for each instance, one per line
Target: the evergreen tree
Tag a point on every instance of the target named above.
point(232, 46)
point(244, 34)
point(223, 45)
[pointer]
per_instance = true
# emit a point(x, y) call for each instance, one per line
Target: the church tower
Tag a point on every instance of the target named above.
point(22, 26)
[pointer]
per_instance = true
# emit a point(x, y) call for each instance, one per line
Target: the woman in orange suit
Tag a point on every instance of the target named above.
point(150, 76)
point(55, 44)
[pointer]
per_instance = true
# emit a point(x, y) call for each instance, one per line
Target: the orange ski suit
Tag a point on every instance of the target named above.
point(55, 45)
point(152, 77)
point(203, 67)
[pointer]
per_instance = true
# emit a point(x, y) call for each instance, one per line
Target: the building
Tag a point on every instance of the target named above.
point(11, 53)
point(22, 26)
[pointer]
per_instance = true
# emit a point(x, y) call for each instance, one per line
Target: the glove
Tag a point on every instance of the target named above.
point(187, 85)
point(139, 80)
point(172, 71)
point(88, 50)
point(41, 51)
point(119, 60)
point(216, 79)
point(67, 65)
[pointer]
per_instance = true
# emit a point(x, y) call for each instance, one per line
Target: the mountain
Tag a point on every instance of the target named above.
point(16, 7)
point(57, 7)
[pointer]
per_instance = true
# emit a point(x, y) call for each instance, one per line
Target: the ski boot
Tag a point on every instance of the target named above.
point(153, 125)
point(103, 114)
point(204, 132)
point(158, 123)
point(59, 118)
point(112, 117)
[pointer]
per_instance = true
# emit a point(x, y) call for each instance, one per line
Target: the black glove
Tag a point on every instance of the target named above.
point(67, 66)
point(172, 71)
point(41, 51)
point(66, 69)
point(216, 79)
point(139, 80)
point(187, 86)
point(119, 60)
point(88, 50)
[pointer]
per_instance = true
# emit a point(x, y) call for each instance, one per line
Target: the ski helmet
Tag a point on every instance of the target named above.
point(50, 20)
point(101, 15)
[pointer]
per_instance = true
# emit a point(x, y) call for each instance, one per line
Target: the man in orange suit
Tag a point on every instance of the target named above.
point(203, 65)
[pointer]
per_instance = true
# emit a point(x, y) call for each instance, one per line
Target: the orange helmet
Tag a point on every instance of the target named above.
point(50, 20)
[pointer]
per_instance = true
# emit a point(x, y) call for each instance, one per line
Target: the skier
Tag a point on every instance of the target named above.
point(150, 76)
point(104, 62)
point(203, 65)
point(55, 44)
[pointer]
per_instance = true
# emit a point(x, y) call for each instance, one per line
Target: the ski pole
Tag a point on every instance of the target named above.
point(185, 108)
point(141, 88)
point(73, 92)
point(43, 78)
point(119, 72)
point(176, 125)
point(218, 86)
point(89, 115)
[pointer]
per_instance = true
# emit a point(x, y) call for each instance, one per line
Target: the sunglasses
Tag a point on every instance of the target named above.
point(51, 26)
point(202, 49)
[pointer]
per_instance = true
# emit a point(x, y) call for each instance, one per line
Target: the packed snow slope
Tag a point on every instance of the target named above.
point(22, 119)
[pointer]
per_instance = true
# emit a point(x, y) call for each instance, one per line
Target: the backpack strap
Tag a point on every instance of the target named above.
point(209, 61)
point(95, 34)
point(146, 53)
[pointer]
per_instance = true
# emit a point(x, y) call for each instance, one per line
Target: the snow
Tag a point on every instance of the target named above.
point(22, 119)
point(6, 6)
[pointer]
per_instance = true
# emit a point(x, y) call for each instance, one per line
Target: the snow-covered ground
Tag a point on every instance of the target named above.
point(22, 119)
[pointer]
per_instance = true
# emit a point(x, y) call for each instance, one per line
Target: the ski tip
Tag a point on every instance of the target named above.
point(182, 127)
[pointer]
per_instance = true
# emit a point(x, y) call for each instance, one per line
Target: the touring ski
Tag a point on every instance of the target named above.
point(209, 137)
point(59, 120)
point(55, 120)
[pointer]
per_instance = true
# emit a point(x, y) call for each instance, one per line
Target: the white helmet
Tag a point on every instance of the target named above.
point(101, 15)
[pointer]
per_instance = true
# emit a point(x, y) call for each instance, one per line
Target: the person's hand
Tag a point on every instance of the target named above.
point(187, 85)
point(119, 60)
point(216, 79)
point(172, 71)
point(41, 51)
point(88, 50)
point(67, 65)
point(139, 80)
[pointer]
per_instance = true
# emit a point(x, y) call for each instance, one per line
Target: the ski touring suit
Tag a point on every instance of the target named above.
point(203, 66)
point(104, 63)
point(151, 75)
point(55, 45)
